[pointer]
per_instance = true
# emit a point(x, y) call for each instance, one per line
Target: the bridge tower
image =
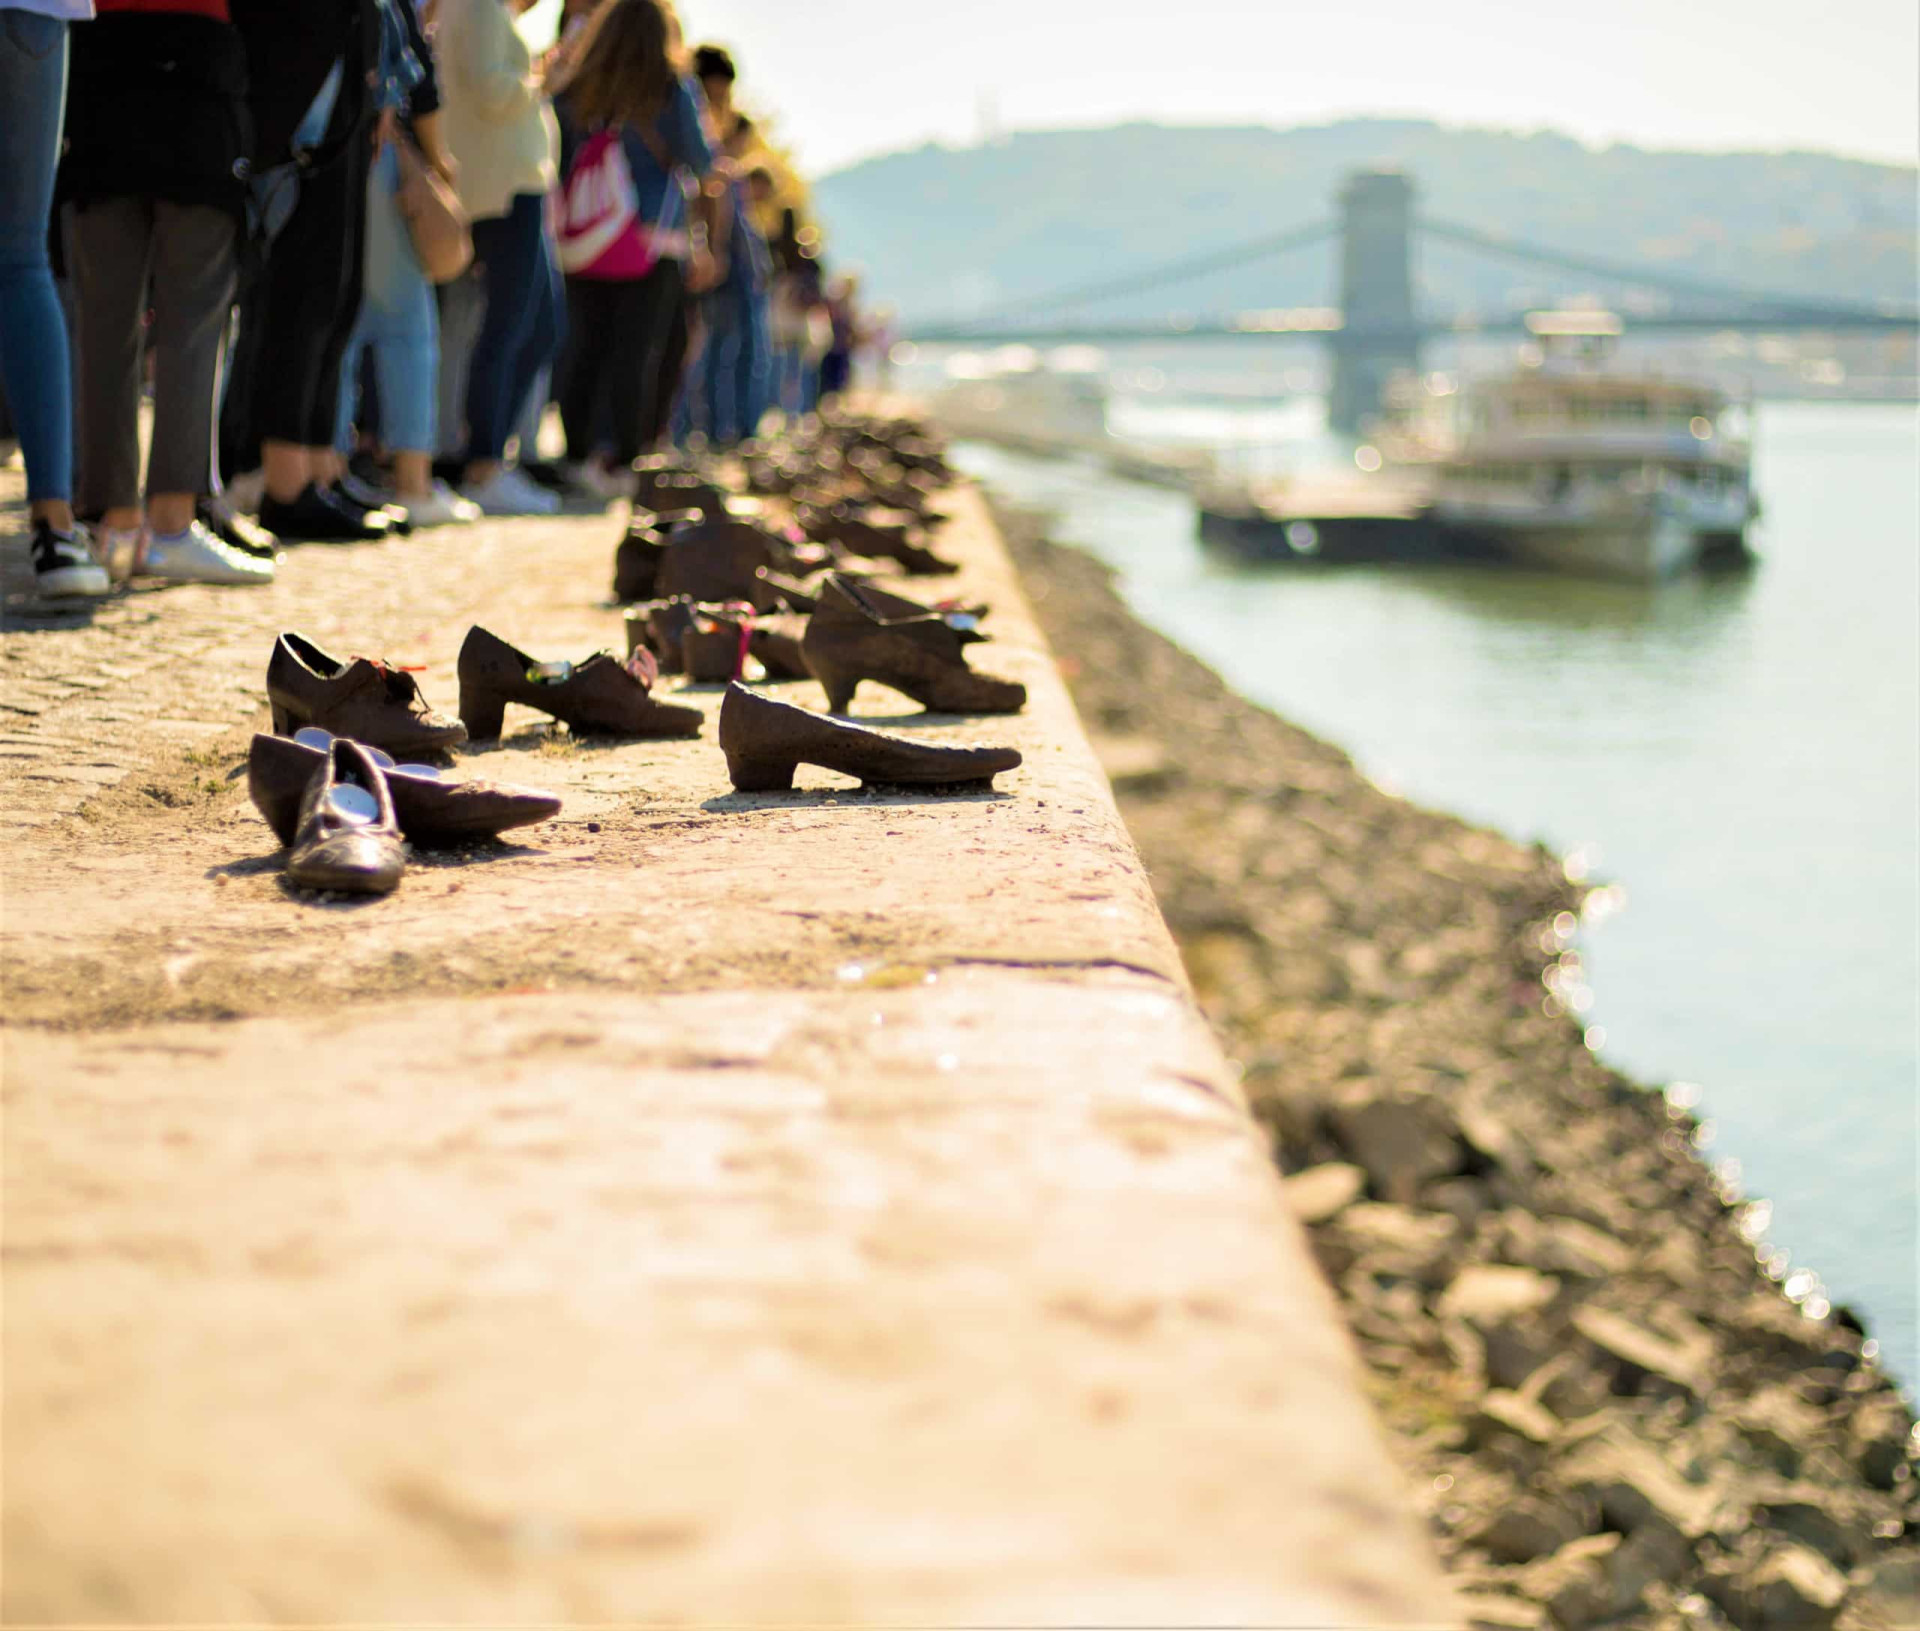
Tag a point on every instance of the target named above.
point(1377, 338)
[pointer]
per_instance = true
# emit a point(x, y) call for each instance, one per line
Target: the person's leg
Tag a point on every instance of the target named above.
point(399, 321)
point(754, 369)
point(546, 333)
point(720, 368)
point(194, 268)
point(109, 250)
point(461, 307)
point(668, 364)
point(632, 336)
point(349, 266)
point(34, 362)
point(584, 360)
point(509, 249)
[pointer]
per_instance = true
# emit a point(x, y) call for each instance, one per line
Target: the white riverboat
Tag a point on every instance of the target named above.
point(1580, 466)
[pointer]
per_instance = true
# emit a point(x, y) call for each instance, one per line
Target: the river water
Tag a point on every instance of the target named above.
point(1740, 756)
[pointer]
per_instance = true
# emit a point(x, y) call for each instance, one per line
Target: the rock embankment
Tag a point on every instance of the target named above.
point(1610, 1412)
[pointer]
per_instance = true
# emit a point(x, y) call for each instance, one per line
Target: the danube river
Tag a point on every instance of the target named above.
point(1740, 756)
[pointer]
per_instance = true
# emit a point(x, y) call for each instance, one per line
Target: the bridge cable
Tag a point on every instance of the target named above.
point(1153, 277)
point(1514, 249)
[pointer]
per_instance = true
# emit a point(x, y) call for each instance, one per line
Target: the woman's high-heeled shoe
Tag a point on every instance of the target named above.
point(924, 657)
point(599, 696)
point(765, 741)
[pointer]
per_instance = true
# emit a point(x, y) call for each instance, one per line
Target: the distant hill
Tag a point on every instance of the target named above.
point(951, 232)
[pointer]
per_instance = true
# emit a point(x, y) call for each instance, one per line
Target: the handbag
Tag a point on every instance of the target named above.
point(436, 220)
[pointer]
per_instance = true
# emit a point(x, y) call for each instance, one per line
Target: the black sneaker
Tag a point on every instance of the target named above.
point(234, 529)
point(374, 501)
point(319, 515)
point(64, 566)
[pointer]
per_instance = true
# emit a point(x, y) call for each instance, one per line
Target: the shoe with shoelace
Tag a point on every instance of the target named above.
point(374, 702)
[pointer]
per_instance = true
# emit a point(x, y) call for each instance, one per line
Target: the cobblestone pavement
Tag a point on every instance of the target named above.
point(90, 693)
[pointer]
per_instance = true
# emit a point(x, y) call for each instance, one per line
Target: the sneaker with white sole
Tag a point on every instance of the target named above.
point(64, 566)
point(120, 550)
point(507, 492)
point(441, 507)
point(197, 556)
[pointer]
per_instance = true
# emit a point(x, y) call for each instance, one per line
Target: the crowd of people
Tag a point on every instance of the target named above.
point(355, 250)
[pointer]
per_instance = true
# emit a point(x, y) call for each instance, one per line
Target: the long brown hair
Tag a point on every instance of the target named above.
point(626, 63)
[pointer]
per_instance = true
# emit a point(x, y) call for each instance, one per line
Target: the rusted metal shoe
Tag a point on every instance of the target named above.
point(765, 741)
point(346, 836)
point(430, 807)
point(924, 657)
point(600, 696)
point(357, 697)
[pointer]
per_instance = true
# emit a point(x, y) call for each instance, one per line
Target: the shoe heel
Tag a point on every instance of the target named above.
point(283, 724)
point(482, 719)
point(837, 682)
point(759, 776)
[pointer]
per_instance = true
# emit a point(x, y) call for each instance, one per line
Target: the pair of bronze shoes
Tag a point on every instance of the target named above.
point(842, 525)
point(600, 696)
point(340, 828)
point(765, 741)
point(428, 807)
point(860, 633)
point(711, 641)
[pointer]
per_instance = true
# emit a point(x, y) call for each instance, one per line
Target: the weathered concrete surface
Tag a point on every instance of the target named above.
point(804, 1208)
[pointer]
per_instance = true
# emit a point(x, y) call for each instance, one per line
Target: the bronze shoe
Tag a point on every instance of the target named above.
point(839, 524)
point(636, 562)
point(924, 657)
point(765, 740)
point(661, 488)
point(346, 836)
point(597, 697)
point(430, 809)
point(356, 697)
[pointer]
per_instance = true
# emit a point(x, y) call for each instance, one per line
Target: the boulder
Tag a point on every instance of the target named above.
point(1531, 1527)
point(1779, 1427)
point(1889, 1588)
point(1488, 1611)
point(1490, 1294)
point(1501, 1411)
point(1403, 1140)
point(1578, 1250)
point(1634, 1484)
point(1821, 1520)
point(1568, 1386)
point(1651, 1555)
point(1387, 1239)
point(1571, 1583)
point(1879, 1438)
point(1319, 1192)
point(1637, 1353)
point(1795, 1589)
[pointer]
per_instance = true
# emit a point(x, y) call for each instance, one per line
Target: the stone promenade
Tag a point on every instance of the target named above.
point(817, 1208)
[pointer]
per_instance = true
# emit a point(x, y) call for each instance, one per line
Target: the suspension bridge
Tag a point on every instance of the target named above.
point(1376, 329)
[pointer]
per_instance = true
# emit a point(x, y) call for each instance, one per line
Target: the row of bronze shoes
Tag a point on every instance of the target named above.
point(713, 594)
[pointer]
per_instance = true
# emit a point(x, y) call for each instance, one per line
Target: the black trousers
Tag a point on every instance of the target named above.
point(297, 314)
point(618, 338)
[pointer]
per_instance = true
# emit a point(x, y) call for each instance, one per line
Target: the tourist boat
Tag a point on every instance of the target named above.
point(1573, 464)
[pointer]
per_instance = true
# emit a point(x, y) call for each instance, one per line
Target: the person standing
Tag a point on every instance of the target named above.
point(312, 72)
point(501, 132)
point(154, 224)
point(34, 362)
point(631, 121)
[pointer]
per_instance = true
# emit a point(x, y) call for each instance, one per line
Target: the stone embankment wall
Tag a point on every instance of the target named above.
point(823, 1207)
point(1611, 1414)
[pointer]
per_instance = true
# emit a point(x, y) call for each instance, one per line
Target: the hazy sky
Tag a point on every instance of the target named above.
point(854, 77)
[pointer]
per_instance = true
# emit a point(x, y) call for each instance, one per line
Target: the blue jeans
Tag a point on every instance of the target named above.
point(34, 361)
point(522, 328)
point(398, 322)
point(753, 376)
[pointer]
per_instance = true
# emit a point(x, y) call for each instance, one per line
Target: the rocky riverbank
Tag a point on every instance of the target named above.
point(1609, 1411)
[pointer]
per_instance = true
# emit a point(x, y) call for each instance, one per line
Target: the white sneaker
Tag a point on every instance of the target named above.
point(245, 491)
point(601, 481)
point(119, 550)
point(510, 493)
point(441, 507)
point(64, 564)
point(196, 556)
